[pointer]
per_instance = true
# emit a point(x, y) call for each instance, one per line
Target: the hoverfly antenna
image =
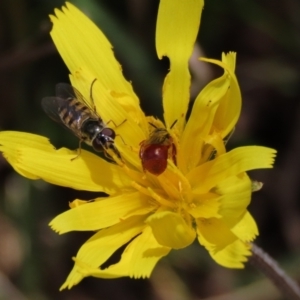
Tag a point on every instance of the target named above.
point(91, 93)
point(152, 125)
point(173, 124)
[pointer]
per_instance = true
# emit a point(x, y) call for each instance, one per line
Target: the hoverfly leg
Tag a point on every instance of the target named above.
point(121, 139)
point(78, 151)
point(116, 126)
point(112, 158)
point(115, 150)
point(109, 157)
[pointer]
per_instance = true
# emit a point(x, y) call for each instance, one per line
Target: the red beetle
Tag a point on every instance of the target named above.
point(155, 151)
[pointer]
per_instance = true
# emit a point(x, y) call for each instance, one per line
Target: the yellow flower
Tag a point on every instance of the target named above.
point(205, 196)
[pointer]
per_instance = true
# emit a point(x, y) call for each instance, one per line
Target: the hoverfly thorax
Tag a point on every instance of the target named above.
point(91, 129)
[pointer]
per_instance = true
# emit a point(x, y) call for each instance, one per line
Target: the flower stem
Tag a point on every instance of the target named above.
point(267, 265)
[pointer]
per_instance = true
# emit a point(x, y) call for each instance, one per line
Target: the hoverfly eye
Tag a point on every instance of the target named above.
point(108, 132)
point(98, 144)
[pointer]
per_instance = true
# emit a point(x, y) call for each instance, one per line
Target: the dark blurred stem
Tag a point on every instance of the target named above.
point(267, 265)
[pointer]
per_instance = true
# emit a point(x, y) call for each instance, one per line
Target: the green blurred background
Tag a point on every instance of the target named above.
point(34, 261)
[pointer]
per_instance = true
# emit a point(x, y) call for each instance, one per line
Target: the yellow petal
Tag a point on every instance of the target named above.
point(142, 254)
point(78, 202)
point(246, 229)
point(214, 234)
point(34, 157)
point(235, 196)
point(241, 159)
point(171, 230)
point(230, 107)
point(107, 241)
point(216, 141)
point(10, 142)
point(177, 27)
point(137, 261)
point(95, 251)
point(223, 246)
point(201, 119)
point(170, 180)
point(82, 44)
point(102, 213)
point(205, 206)
point(146, 252)
point(233, 255)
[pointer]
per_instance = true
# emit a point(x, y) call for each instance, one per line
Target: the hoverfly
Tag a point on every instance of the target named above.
point(70, 109)
point(155, 151)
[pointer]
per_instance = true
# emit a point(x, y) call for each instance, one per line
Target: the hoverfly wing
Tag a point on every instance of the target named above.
point(66, 91)
point(52, 107)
